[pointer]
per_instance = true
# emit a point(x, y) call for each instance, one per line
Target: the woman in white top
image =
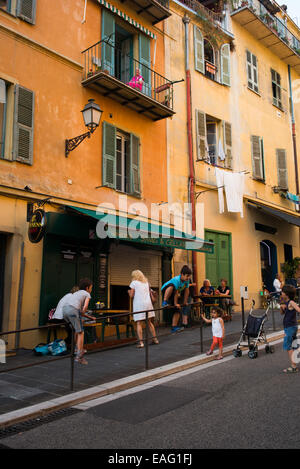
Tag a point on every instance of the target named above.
point(140, 291)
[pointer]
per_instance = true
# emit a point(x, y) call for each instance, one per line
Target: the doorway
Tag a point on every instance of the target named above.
point(269, 266)
point(123, 54)
point(2, 272)
point(219, 263)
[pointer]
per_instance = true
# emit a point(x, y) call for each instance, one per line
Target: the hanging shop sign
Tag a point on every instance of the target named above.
point(37, 226)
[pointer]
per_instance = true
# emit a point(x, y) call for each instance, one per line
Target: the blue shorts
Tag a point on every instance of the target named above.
point(290, 336)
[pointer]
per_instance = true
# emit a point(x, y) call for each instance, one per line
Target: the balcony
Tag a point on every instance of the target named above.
point(211, 19)
point(152, 10)
point(119, 76)
point(268, 29)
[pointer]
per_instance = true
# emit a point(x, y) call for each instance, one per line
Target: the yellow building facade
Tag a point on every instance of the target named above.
point(52, 62)
point(244, 64)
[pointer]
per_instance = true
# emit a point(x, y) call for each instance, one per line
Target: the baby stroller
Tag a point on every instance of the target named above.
point(254, 331)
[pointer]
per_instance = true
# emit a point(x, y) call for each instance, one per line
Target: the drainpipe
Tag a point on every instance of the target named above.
point(294, 134)
point(191, 185)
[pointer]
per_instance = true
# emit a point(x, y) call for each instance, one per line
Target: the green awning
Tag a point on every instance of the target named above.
point(151, 234)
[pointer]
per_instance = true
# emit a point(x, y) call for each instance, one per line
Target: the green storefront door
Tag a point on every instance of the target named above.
point(64, 265)
point(219, 264)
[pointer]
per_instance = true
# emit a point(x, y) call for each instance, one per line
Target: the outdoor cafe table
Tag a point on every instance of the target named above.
point(105, 317)
point(211, 300)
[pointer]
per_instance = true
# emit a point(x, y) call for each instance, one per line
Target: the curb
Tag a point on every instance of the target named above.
point(113, 387)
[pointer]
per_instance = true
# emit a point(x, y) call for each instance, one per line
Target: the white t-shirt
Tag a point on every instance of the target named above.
point(59, 308)
point(78, 298)
point(217, 328)
point(277, 285)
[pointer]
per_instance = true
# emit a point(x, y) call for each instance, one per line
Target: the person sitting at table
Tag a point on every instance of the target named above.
point(224, 290)
point(136, 81)
point(206, 290)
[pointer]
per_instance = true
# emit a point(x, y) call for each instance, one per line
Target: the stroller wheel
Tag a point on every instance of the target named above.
point(252, 354)
point(237, 353)
point(267, 348)
point(271, 349)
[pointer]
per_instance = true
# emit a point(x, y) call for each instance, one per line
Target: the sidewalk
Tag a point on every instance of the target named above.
point(45, 382)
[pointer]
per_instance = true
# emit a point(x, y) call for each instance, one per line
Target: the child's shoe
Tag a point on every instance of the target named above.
point(209, 352)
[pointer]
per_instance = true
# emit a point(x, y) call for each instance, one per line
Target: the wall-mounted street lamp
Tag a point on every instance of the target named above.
point(91, 116)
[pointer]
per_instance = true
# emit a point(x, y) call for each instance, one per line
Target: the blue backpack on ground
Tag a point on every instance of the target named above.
point(41, 349)
point(57, 347)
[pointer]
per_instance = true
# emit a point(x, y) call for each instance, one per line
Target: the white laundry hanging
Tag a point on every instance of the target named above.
point(220, 185)
point(221, 152)
point(234, 189)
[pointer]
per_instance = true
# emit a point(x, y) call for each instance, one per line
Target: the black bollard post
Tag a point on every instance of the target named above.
point(72, 359)
point(147, 344)
point(243, 316)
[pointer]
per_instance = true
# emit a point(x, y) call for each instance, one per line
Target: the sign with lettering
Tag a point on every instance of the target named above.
point(37, 226)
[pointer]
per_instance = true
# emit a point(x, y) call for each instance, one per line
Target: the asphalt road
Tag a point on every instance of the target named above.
point(236, 403)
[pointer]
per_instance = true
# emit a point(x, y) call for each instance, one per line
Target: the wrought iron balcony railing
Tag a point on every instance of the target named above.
point(275, 24)
point(104, 57)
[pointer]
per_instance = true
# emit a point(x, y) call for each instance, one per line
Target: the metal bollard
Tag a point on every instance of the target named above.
point(72, 359)
point(147, 343)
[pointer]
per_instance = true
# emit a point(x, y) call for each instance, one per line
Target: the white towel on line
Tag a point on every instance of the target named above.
point(234, 189)
point(220, 184)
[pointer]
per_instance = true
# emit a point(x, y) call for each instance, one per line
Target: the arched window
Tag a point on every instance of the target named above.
point(210, 61)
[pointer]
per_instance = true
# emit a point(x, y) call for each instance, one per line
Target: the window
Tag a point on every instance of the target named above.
point(123, 163)
point(252, 71)
point(214, 140)
point(276, 89)
point(3, 101)
point(119, 51)
point(5, 5)
point(24, 9)
point(282, 169)
point(207, 59)
point(257, 158)
point(16, 122)
point(121, 160)
point(210, 63)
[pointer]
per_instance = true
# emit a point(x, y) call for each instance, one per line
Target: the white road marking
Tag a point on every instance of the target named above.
point(111, 397)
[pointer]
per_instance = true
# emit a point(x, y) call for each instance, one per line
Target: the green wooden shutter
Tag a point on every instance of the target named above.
point(109, 155)
point(135, 165)
point(26, 10)
point(145, 59)
point(225, 64)
point(201, 135)
point(23, 125)
point(227, 134)
point(282, 169)
point(257, 157)
point(198, 50)
point(108, 47)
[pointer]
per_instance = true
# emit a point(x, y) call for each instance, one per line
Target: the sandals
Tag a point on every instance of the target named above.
point(81, 360)
point(140, 344)
point(155, 341)
point(291, 369)
point(220, 357)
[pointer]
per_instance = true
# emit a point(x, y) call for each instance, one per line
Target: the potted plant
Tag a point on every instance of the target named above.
point(290, 269)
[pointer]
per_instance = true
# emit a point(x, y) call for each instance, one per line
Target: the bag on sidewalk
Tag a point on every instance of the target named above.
point(41, 349)
point(57, 347)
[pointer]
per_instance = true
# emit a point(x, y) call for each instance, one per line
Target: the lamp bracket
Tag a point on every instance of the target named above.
point(72, 143)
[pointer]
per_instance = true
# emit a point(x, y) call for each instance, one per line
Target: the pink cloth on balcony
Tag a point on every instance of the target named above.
point(136, 82)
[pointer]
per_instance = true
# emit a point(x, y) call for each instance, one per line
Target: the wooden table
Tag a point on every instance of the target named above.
point(106, 318)
point(210, 302)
